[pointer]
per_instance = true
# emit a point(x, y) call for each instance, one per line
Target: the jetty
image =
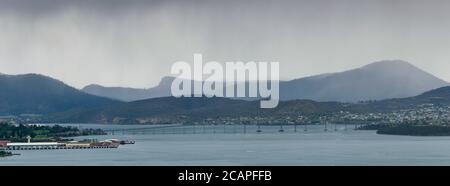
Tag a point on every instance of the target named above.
point(86, 144)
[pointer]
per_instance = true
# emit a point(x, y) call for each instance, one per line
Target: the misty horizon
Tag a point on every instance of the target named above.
point(134, 43)
point(159, 80)
point(223, 83)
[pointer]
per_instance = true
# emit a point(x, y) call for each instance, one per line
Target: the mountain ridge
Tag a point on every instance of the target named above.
point(39, 94)
point(197, 109)
point(376, 81)
point(131, 94)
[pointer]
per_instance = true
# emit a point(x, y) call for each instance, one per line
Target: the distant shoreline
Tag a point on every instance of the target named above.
point(382, 129)
point(409, 130)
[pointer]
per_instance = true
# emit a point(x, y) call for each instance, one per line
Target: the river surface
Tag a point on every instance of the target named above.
point(239, 145)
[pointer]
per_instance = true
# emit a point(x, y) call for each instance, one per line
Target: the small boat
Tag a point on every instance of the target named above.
point(281, 129)
point(127, 142)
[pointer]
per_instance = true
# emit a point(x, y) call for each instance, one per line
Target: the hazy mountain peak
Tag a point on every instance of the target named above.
point(388, 64)
point(131, 94)
point(380, 80)
point(166, 81)
point(398, 67)
point(92, 86)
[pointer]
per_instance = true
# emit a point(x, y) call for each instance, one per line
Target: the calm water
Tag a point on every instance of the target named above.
point(219, 145)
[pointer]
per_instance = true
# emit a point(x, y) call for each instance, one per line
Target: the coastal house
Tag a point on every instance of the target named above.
point(3, 145)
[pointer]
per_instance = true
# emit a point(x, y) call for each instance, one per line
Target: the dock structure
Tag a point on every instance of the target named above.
point(58, 145)
point(32, 146)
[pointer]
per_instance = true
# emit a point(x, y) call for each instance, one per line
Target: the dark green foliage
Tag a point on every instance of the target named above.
point(5, 153)
point(42, 133)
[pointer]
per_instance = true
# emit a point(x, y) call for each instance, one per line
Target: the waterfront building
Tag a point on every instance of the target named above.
point(34, 146)
point(3, 145)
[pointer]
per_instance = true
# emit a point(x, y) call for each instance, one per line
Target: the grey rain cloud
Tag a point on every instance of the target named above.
point(133, 43)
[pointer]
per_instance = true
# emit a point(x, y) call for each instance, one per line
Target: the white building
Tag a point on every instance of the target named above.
point(33, 146)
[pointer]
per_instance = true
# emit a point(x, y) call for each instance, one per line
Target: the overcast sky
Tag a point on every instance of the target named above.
point(134, 43)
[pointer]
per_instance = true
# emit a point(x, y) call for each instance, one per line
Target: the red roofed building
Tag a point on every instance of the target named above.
point(3, 143)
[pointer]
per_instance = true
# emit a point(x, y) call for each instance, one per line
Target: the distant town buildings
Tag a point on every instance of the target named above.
point(427, 113)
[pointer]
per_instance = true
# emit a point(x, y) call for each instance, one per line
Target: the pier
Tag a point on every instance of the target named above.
point(61, 145)
point(52, 147)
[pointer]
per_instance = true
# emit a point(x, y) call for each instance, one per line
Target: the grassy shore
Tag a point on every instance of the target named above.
point(19, 133)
